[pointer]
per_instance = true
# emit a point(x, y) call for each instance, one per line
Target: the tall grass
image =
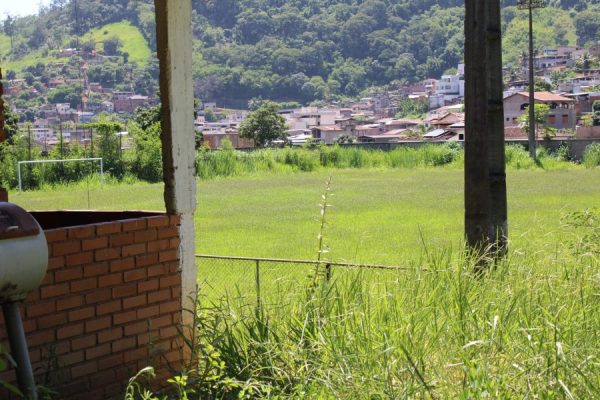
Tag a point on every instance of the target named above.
point(591, 157)
point(229, 162)
point(530, 329)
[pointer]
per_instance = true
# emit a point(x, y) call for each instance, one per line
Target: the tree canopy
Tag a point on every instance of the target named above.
point(264, 125)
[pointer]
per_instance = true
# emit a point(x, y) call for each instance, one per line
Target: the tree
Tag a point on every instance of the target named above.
point(264, 125)
point(11, 121)
point(541, 118)
point(596, 113)
point(112, 45)
point(10, 28)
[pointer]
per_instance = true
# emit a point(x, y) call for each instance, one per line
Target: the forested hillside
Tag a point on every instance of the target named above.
point(305, 50)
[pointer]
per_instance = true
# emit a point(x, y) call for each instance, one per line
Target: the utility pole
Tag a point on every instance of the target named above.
point(530, 5)
point(486, 226)
point(2, 132)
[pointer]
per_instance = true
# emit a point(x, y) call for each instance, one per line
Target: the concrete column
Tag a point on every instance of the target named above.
point(174, 47)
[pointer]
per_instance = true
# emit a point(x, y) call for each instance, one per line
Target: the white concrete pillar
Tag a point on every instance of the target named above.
point(174, 47)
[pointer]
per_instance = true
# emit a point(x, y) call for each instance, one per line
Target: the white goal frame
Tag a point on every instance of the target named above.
point(62, 161)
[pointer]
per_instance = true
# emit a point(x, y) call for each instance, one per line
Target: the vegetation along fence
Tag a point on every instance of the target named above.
point(266, 280)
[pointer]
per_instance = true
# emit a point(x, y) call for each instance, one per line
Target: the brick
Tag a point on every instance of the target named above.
point(146, 236)
point(122, 264)
point(121, 239)
point(155, 222)
point(110, 280)
point(83, 232)
point(176, 292)
point(69, 303)
point(135, 275)
point(158, 296)
point(123, 344)
point(158, 270)
point(72, 358)
point(111, 307)
point(172, 356)
point(110, 335)
point(135, 225)
point(136, 328)
point(170, 255)
point(39, 309)
point(84, 342)
point(168, 232)
point(48, 279)
point(51, 321)
point(80, 259)
point(96, 269)
point(84, 285)
point(169, 332)
point(55, 290)
point(97, 352)
point(133, 249)
point(107, 254)
point(98, 324)
point(41, 338)
point(174, 243)
point(148, 286)
point(124, 291)
point(108, 228)
point(135, 355)
point(65, 248)
point(69, 331)
point(170, 307)
point(174, 220)
point(103, 378)
point(156, 246)
point(55, 235)
point(98, 296)
point(81, 314)
point(56, 262)
point(95, 243)
point(124, 317)
point(68, 275)
point(134, 302)
point(147, 312)
point(85, 369)
point(110, 362)
point(73, 388)
point(168, 281)
point(146, 260)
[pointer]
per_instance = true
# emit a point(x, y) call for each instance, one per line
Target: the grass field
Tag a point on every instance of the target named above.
point(377, 216)
point(130, 36)
point(528, 329)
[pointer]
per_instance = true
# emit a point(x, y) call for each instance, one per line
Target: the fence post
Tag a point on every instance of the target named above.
point(257, 285)
point(328, 272)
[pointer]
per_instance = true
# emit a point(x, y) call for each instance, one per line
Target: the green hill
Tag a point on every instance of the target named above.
point(301, 50)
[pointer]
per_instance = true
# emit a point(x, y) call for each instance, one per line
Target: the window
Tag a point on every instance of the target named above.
point(565, 119)
point(552, 119)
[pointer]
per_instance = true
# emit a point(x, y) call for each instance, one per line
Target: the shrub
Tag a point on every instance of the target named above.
point(591, 157)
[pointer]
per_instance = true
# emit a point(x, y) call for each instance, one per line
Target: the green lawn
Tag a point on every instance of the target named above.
point(377, 216)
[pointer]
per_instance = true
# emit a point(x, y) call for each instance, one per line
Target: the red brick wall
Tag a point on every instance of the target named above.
point(111, 290)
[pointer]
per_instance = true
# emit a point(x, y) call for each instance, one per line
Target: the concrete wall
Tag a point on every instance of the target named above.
point(577, 146)
point(109, 305)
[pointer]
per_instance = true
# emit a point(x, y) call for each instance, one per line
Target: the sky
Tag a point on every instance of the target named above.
point(20, 7)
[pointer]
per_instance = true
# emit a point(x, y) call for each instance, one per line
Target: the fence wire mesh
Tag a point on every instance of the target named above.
point(278, 281)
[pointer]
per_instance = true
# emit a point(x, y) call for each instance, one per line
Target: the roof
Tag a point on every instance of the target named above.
point(545, 97)
point(328, 128)
point(435, 133)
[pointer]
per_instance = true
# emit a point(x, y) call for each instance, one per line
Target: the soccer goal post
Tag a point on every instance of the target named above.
point(100, 160)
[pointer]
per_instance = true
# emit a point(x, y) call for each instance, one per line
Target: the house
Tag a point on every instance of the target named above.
point(562, 109)
point(129, 103)
point(447, 120)
point(215, 139)
point(438, 135)
point(330, 133)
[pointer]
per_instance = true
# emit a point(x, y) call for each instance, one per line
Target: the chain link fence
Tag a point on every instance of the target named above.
point(268, 281)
